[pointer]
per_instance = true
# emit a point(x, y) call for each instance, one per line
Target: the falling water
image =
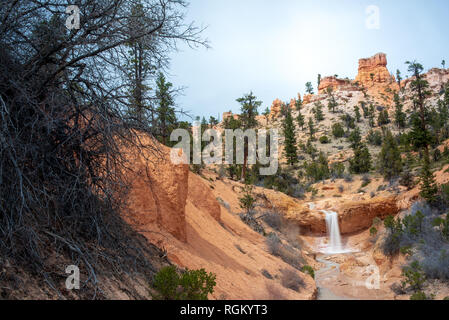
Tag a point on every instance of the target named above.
point(333, 231)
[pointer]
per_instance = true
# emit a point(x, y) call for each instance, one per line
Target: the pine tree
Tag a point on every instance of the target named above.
point(355, 138)
point(371, 115)
point(390, 163)
point(383, 118)
point(399, 115)
point(357, 114)
point(420, 134)
point(332, 103)
point(139, 68)
point(429, 188)
point(318, 112)
point(300, 120)
point(311, 129)
point(249, 105)
point(309, 88)
point(166, 117)
point(361, 162)
point(291, 152)
point(398, 77)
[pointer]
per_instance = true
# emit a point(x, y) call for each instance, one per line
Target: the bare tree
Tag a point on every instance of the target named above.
point(64, 129)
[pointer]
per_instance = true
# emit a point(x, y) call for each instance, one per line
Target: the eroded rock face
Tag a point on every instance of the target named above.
point(354, 216)
point(336, 84)
point(374, 70)
point(158, 191)
point(358, 215)
point(201, 196)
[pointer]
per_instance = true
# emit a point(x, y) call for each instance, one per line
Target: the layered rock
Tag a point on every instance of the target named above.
point(335, 84)
point(374, 70)
point(355, 216)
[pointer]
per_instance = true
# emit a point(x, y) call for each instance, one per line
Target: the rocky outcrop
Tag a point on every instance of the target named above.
point(335, 84)
point(158, 192)
point(374, 70)
point(354, 216)
point(358, 215)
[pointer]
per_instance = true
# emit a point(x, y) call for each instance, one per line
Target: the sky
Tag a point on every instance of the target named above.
point(273, 47)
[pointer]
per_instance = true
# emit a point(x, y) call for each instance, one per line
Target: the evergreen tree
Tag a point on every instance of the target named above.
point(398, 77)
point(420, 135)
point(166, 117)
point(291, 152)
point(355, 138)
point(399, 115)
point(361, 162)
point(311, 129)
point(309, 88)
point(267, 112)
point(383, 118)
point(318, 112)
point(332, 103)
point(300, 120)
point(357, 114)
point(234, 170)
point(390, 163)
point(139, 68)
point(371, 115)
point(249, 105)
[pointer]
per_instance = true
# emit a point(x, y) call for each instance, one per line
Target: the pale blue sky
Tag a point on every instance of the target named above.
point(274, 47)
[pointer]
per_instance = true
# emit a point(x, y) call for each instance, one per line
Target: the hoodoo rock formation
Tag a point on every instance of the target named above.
point(374, 70)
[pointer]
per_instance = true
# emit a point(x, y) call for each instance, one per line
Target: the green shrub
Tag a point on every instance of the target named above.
point(419, 295)
point(189, 285)
point(414, 276)
point(337, 130)
point(309, 270)
point(324, 140)
point(247, 202)
point(413, 223)
point(373, 231)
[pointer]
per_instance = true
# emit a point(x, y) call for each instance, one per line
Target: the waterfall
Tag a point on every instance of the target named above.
point(333, 232)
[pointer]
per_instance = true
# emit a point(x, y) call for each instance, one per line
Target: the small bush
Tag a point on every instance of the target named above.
point(273, 219)
point(324, 140)
point(291, 280)
point(285, 253)
point(341, 188)
point(309, 270)
point(365, 180)
point(190, 285)
point(252, 222)
point(248, 201)
point(419, 295)
point(338, 131)
point(373, 231)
